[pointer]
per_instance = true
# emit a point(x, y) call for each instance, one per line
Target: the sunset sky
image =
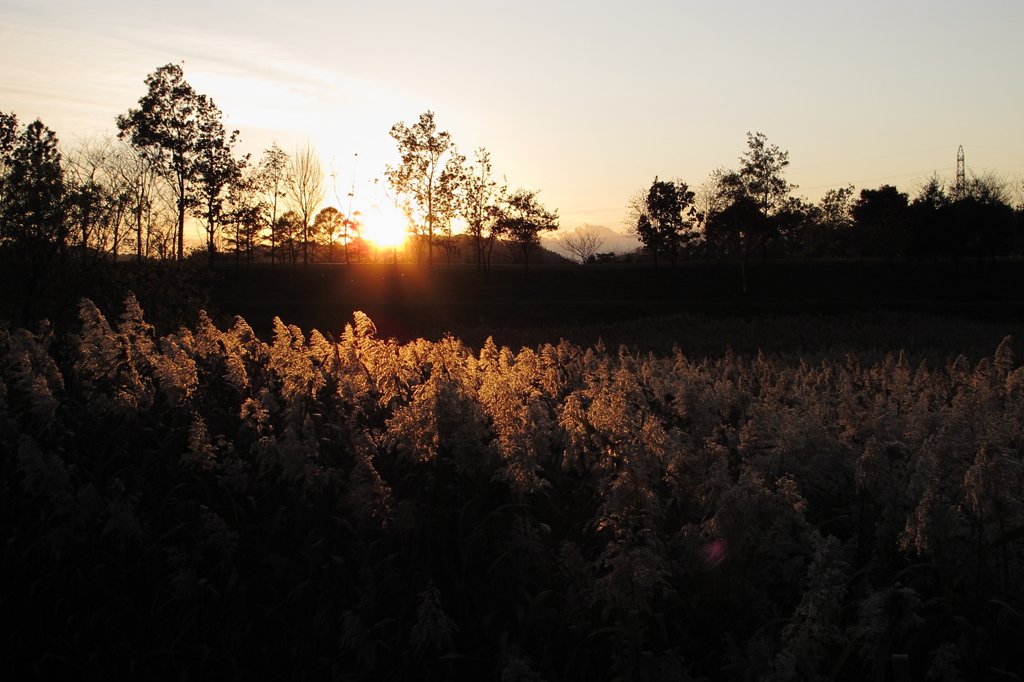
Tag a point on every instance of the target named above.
point(587, 101)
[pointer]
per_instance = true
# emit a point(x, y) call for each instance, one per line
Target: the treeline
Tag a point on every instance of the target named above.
point(67, 216)
point(751, 210)
point(205, 504)
point(173, 162)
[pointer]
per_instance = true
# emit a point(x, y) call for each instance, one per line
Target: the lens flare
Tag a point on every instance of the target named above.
point(715, 552)
point(385, 226)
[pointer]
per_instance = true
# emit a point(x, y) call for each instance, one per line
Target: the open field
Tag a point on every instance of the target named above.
point(791, 305)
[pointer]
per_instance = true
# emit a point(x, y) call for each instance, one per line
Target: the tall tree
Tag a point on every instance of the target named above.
point(8, 136)
point(273, 177)
point(145, 195)
point(288, 233)
point(166, 126)
point(828, 230)
point(417, 180)
point(216, 169)
point(929, 221)
point(248, 212)
point(665, 217)
point(761, 170)
point(738, 225)
point(881, 214)
point(793, 221)
point(451, 186)
point(481, 207)
point(329, 224)
point(751, 196)
point(984, 213)
point(97, 200)
point(709, 200)
point(522, 220)
point(33, 228)
point(306, 187)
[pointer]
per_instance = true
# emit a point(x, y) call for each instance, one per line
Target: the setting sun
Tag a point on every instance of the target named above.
point(385, 226)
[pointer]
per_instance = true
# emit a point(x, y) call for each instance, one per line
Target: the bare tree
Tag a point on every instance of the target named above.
point(94, 202)
point(147, 196)
point(306, 183)
point(349, 224)
point(582, 243)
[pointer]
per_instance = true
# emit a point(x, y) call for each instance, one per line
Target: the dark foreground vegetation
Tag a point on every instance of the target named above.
point(208, 504)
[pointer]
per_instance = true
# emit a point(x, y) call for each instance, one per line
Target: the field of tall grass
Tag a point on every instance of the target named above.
point(206, 503)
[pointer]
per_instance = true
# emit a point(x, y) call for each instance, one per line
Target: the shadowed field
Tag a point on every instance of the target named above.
point(860, 304)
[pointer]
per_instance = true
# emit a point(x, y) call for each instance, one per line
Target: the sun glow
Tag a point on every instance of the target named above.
point(385, 226)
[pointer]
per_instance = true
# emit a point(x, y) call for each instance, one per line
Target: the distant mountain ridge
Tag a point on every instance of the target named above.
point(616, 242)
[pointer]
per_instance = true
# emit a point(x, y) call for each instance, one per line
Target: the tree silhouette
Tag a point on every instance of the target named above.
point(930, 224)
point(166, 126)
point(215, 169)
point(828, 231)
point(881, 214)
point(665, 217)
point(738, 226)
point(418, 180)
point(480, 208)
point(451, 187)
point(273, 179)
point(247, 211)
point(96, 199)
point(750, 198)
point(329, 224)
point(287, 231)
point(709, 201)
point(522, 220)
point(8, 134)
point(33, 228)
point(144, 195)
point(985, 215)
point(761, 169)
point(306, 184)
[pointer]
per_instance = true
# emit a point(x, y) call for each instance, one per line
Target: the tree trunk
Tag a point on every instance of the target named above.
point(138, 224)
point(181, 230)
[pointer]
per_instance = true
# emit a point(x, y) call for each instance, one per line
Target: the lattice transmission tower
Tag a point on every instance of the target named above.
point(961, 172)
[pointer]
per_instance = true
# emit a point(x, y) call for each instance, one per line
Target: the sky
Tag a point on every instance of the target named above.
point(585, 101)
